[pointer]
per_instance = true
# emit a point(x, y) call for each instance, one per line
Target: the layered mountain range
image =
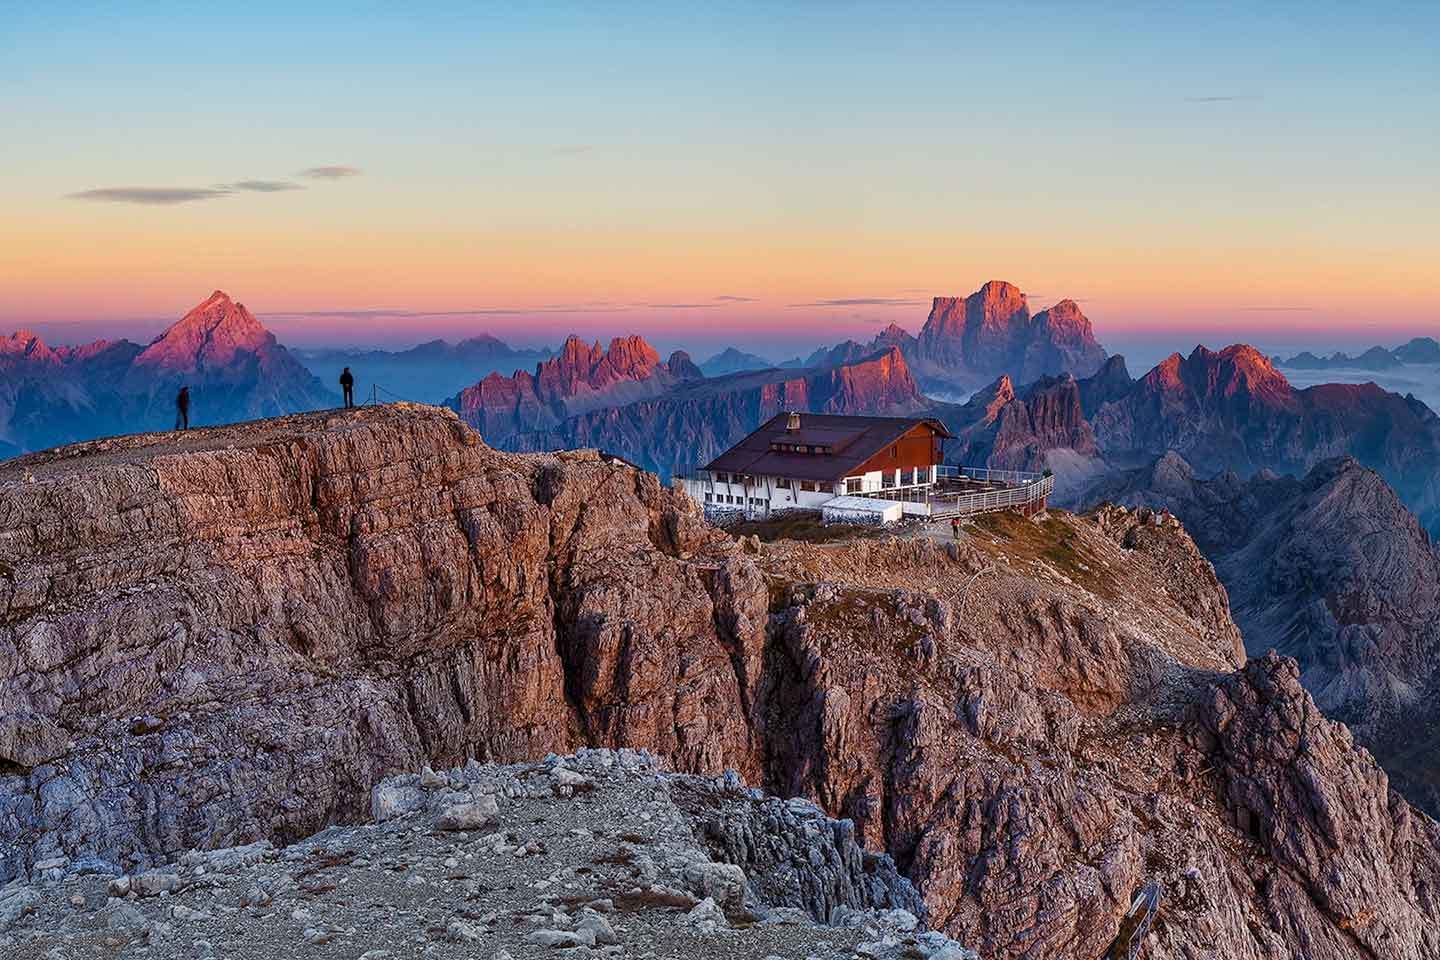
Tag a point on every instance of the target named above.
point(1225, 410)
point(1420, 350)
point(698, 420)
point(234, 367)
point(580, 377)
point(732, 360)
point(252, 627)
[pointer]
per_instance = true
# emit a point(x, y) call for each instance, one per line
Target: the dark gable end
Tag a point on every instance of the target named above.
point(846, 445)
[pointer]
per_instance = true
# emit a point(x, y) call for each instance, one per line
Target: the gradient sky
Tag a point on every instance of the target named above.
point(770, 175)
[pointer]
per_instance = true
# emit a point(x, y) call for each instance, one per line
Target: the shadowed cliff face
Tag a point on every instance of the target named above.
point(1332, 570)
point(236, 633)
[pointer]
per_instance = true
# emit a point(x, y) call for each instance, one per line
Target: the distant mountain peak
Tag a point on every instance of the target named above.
point(27, 344)
point(992, 331)
point(209, 336)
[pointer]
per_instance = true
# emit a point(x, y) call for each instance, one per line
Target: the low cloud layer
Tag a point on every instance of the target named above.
point(330, 173)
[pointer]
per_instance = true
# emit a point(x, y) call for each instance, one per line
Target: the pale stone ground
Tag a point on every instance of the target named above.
point(599, 855)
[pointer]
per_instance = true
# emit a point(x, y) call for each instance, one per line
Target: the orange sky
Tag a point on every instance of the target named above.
point(1190, 170)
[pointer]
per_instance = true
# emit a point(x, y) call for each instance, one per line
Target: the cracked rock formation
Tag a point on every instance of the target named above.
point(234, 635)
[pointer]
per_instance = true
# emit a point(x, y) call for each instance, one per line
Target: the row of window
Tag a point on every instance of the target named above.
point(739, 478)
point(782, 447)
point(734, 500)
point(891, 478)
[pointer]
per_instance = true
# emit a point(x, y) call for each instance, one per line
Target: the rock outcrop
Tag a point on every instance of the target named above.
point(998, 428)
point(967, 342)
point(1330, 569)
point(238, 634)
point(580, 377)
point(599, 854)
point(992, 333)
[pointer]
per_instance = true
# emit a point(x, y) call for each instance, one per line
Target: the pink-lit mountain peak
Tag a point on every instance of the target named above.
point(27, 346)
point(995, 308)
point(210, 336)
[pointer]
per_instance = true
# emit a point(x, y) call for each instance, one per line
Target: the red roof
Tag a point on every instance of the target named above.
point(851, 440)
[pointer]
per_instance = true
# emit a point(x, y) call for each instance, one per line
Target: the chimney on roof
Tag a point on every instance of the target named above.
point(792, 425)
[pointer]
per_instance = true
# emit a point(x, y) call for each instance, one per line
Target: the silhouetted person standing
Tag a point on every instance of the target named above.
point(347, 383)
point(182, 409)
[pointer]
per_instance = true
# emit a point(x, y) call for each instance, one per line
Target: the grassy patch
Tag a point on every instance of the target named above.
point(804, 526)
point(1053, 541)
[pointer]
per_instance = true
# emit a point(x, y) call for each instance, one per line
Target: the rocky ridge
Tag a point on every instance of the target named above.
point(235, 635)
point(1227, 410)
point(599, 854)
point(1332, 570)
point(969, 341)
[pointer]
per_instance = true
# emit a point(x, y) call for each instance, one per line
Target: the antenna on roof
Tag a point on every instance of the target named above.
point(792, 424)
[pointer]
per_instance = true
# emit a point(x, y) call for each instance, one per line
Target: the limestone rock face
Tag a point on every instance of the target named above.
point(992, 332)
point(1330, 569)
point(997, 428)
point(242, 631)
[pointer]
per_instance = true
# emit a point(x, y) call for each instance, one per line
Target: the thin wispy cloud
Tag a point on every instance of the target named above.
point(171, 196)
point(330, 172)
point(263, 186)
point(679, 306)
point(1222, 98)
point(730, 298)
point(861, 302)
point(376, 313)
point(152, 196)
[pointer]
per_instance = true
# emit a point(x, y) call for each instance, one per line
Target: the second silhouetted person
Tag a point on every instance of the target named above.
point(347, 383)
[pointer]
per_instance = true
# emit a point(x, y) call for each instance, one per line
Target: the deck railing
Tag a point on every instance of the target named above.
point(985, 474)
point(1026, 493)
